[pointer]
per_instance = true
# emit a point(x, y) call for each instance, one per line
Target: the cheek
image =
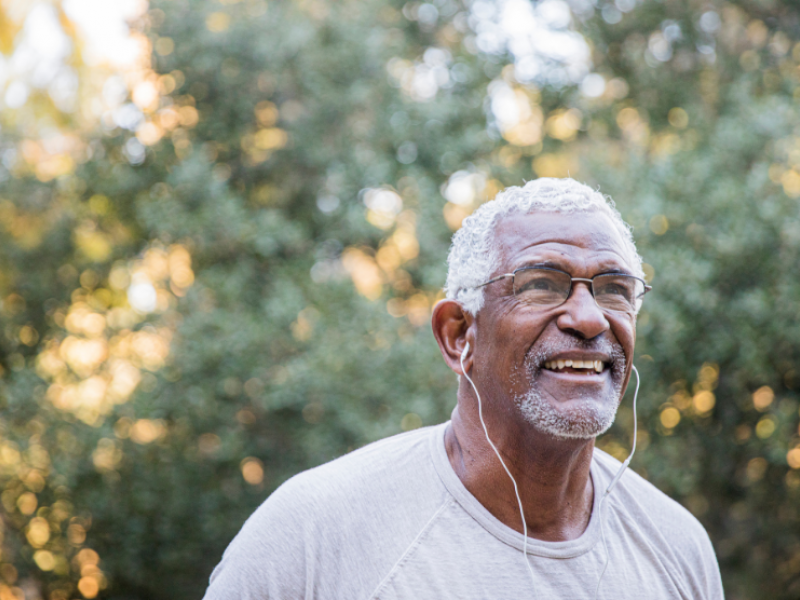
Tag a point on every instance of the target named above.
point(504, 360)
point(506, 337)
point(625, 332)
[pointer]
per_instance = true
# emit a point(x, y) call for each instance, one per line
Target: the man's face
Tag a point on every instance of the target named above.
point(527, 350)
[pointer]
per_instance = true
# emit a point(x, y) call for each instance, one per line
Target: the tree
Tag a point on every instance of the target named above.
point(231, 280)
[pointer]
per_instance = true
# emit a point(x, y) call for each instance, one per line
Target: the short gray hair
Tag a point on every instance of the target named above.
point(473, 253)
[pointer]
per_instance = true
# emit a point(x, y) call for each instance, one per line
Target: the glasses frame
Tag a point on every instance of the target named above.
point(572, 279)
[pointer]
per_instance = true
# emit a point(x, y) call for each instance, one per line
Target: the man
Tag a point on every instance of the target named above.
point(543, 288)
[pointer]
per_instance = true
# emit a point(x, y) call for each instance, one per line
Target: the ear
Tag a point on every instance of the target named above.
point(453, 327)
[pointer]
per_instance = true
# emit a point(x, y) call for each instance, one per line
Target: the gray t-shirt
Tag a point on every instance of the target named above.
point(393, 521)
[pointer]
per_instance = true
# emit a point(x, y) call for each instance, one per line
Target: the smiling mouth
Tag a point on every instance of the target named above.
point(585, 367)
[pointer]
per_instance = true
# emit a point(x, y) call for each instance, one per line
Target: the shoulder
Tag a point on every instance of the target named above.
point(663, 525)
point(639, 495)
point(394, 476)
point(340, 525)
point(379, 470)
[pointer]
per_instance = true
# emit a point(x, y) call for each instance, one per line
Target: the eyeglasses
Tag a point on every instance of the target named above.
point(547, 288)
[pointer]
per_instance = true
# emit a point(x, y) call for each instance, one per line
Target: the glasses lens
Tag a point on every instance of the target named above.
point(622, 293)
point(541, 287)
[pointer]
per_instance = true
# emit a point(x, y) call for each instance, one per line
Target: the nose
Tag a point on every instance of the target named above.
point(580, 314)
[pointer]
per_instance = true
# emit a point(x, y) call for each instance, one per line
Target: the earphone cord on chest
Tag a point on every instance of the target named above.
point(508, 472)
point(612, 484)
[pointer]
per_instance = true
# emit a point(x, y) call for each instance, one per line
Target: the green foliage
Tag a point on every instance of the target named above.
point(297, 329)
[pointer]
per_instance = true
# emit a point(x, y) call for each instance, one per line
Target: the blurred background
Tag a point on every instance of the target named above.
point(224, 224)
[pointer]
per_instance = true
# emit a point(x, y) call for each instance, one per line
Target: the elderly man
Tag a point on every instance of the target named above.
point(510, 499)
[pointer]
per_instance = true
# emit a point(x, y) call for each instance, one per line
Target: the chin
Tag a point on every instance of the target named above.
point(585, 417)
point(591, 418)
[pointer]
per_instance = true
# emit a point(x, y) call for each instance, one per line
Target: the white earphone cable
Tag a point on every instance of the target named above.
point(613, 483)
point(502, 462)
point(516, 488)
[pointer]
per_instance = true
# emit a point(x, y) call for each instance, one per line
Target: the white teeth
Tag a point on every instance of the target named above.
point(597, 365)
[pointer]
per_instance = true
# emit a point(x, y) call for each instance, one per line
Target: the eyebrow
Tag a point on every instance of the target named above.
point(550, 264)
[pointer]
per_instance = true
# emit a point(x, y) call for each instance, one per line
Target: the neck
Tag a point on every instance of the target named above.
point(553, 474)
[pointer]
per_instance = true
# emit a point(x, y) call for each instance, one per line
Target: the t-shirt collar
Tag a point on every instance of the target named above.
point(470, 504)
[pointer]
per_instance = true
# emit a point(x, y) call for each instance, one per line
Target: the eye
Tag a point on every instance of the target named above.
point(541, 286)
point(539, 283)
point(615, 289)
point(615, 286)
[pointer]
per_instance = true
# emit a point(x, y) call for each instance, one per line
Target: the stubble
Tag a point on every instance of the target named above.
point(590, 414)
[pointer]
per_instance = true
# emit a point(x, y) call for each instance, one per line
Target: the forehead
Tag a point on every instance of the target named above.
point(585, 237)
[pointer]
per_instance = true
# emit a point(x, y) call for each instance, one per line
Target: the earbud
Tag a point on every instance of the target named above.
point(464, 353)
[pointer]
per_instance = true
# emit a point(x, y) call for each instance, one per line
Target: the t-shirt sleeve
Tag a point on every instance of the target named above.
point(268, 558)
point(689, 548)
point(668, 532)
point(708, 577)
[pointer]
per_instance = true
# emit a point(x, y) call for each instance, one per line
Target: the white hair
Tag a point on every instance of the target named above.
point(473, 253)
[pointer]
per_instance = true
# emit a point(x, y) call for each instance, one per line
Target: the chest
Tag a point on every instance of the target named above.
point(459, 559)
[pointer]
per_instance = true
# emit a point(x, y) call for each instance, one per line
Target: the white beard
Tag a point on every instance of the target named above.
point(593, 416)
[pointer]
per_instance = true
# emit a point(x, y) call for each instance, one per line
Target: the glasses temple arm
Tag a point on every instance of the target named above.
point(498, 278)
